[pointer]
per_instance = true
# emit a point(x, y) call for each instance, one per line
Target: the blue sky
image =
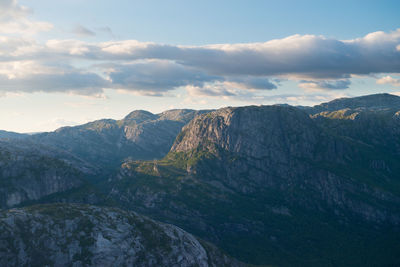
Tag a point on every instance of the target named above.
point(68, 62)
point(223, 21)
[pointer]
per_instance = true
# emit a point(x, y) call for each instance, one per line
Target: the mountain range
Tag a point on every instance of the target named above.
point(105, 143)
point(268, 185)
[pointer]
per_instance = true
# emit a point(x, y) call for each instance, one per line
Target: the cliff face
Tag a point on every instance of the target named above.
point(29, 172)
point(299, 184)
point(282, 148)
point(252, 131)
point(81, 235)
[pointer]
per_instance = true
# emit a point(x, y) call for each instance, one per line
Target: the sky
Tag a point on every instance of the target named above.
point(67, 62)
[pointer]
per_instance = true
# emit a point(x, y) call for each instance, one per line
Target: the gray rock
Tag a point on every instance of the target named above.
point(107, 143)
point(81, 235)
point(29, 172)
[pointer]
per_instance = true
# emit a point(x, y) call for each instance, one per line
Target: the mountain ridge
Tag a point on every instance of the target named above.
point(106, 143)
point(276, 185)
point(241, 174)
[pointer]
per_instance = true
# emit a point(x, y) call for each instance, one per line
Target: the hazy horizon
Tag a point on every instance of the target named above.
point(159, 112)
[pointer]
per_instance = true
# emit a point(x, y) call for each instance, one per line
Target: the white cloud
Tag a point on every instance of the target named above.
point(240, 70)
point(325, 84)
point(29, 77)
point(298, 55)
point(14, 20)
point(10, 9)
point(24, 26)
point(306, 56)
point(251, 83)
point(388, 80)
point(66, 48)
point(19, 69)
point(17, 48)
point(213, 89)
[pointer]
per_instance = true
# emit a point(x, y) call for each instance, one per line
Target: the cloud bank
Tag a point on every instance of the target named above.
point(314, 62)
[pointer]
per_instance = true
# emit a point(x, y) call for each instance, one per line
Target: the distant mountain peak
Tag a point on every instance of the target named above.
point(11, 135)
point(373, 102)
point(140, 115)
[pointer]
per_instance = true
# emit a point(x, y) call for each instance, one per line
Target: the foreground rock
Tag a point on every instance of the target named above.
point(80, 235)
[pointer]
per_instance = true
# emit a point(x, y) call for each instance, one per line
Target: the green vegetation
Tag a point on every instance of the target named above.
point(249, 230)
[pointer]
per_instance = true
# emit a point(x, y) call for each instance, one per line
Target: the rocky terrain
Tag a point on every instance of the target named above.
point(106, 143)
point(81, 235)
point(29, 172)
point(238, 175)
point(270, 185)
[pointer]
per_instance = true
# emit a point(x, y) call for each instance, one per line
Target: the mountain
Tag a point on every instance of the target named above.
point(369, 102)
point(372, 120)
point(107, 143)
point(270, 185)
point(11, 135)
point(280, 185)
point(29, 172)
point(81, 235)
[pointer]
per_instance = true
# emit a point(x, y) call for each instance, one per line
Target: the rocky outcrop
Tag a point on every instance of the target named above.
point(81, 235)
point(252, 131)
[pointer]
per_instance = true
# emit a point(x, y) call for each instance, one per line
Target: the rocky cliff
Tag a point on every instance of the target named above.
point(280, 185)
point(81, 235)
point(29, 172)
point(283, 148)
